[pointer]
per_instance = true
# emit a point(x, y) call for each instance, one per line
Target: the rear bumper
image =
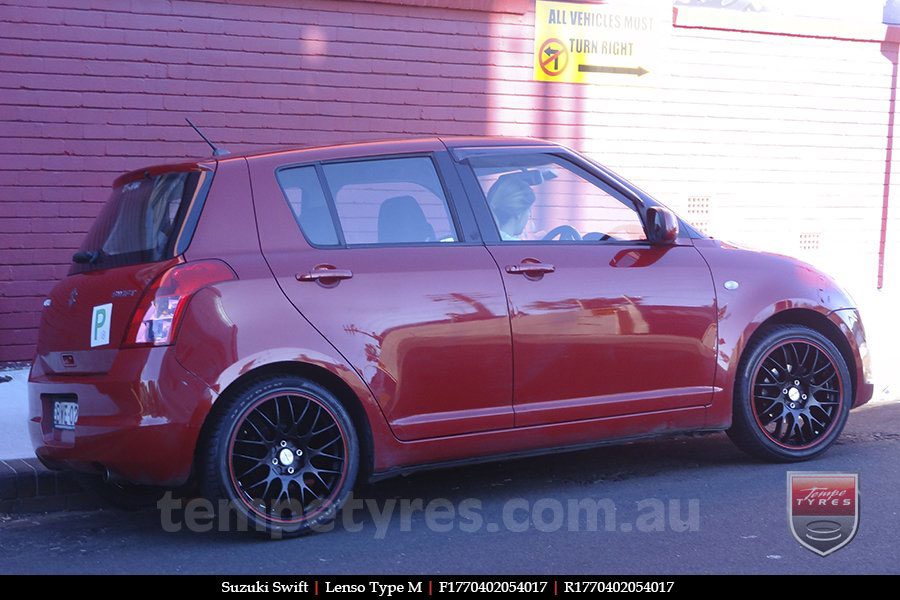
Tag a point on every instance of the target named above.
point(140, 420)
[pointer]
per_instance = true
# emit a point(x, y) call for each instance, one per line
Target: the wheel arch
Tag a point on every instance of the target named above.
point(816, 321)
point(317, 374)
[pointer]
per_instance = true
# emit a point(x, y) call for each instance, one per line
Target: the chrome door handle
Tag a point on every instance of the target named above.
point(530, 268)
point(318, 274)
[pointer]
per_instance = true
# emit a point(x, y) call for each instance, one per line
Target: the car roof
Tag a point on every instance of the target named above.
point(350, 150)
point(392, 146)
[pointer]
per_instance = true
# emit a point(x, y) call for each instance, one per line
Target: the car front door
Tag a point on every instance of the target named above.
point(372, 252)
point(604, 323)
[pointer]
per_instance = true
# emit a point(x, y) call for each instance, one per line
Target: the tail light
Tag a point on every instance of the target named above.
point(156, 317)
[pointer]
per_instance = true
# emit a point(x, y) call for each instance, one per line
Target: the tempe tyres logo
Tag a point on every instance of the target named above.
point(823, 509)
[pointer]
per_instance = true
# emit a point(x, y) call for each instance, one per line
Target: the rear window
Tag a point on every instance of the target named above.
point(145, 220)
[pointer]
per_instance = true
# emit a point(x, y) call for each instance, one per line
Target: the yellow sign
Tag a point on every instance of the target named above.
point(594, 43)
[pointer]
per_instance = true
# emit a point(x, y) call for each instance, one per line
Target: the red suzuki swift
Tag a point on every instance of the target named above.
point(275, 326)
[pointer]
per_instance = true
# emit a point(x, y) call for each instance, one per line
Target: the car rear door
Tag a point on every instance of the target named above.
point(372, 251)
point(605, 326)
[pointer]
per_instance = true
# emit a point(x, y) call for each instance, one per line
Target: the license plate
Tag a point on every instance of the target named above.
point(65, 415)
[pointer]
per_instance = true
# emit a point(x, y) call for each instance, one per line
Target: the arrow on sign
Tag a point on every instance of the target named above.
point(553, 54)
point(619, 70)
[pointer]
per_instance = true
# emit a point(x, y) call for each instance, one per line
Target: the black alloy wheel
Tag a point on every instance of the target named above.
point(285, 454)
point(792, 394)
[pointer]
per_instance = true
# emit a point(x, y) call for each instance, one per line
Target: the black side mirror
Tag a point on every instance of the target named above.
point(662, 225)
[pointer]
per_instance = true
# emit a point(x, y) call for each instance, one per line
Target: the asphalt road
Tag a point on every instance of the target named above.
point(741, 525)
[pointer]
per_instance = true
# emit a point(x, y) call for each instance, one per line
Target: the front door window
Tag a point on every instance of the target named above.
point(543, 198)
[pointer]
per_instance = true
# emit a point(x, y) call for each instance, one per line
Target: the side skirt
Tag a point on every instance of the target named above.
point(382, 475)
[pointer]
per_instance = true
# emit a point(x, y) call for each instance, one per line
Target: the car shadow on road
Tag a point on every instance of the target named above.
point(581, 473)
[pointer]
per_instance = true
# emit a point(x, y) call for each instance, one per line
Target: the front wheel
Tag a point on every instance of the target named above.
point(792, 395)
point(284, 454)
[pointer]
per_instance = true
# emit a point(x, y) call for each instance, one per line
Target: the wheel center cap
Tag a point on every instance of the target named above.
point(794, 394)
point(286, 457)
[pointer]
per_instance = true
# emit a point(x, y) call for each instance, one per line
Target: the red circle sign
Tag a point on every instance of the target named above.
point(553, 57)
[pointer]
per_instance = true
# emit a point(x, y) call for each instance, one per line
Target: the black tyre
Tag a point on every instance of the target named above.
point(284, 453)
point(792, 395)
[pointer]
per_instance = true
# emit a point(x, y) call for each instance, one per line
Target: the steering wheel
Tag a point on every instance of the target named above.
point(565, 233)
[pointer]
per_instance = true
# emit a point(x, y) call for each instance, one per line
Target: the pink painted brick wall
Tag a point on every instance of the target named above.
point(91, 89)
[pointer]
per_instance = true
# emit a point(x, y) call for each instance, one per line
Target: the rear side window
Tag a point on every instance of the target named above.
point(143, 220)
point(304, 193)
point(376, 202)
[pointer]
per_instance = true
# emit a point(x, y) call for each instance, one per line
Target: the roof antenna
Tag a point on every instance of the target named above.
point(216, 151)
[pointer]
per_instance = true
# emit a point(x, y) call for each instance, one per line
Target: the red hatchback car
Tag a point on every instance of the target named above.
point(275, 326)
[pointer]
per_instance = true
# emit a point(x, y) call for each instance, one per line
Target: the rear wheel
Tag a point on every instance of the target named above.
point(792, 395)
point(284, 453)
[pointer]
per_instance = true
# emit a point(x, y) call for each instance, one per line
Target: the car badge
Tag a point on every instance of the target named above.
point(73, 296)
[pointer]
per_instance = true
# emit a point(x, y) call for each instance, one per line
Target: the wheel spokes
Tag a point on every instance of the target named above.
point(288, 456)
point(796, 393)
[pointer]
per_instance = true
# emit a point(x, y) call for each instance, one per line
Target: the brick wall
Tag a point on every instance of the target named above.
point(777, 141)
